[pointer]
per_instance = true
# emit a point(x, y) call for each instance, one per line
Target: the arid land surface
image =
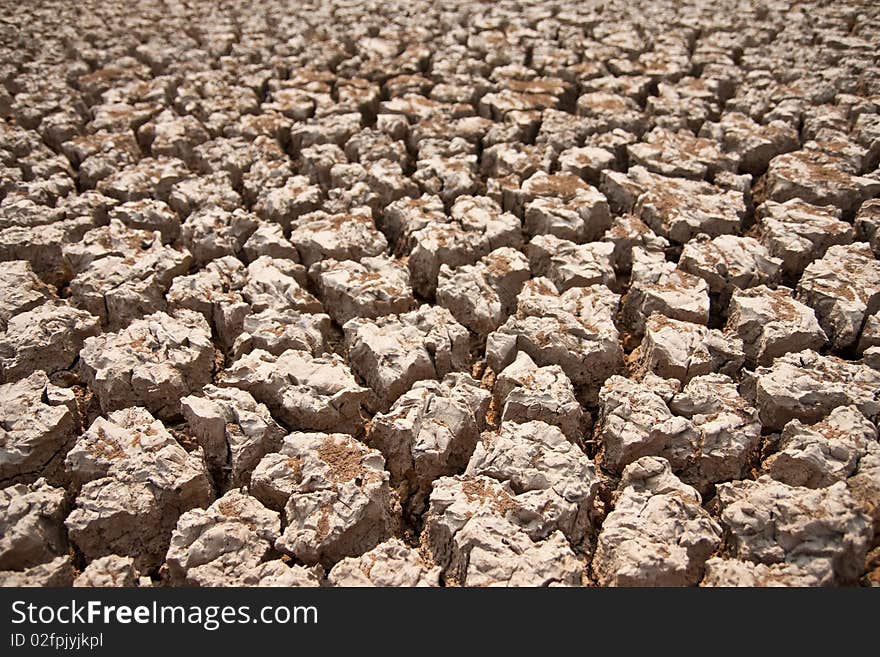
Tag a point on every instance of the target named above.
point(439, 293)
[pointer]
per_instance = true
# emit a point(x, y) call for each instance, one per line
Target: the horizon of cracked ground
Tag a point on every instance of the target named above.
point(420, 294)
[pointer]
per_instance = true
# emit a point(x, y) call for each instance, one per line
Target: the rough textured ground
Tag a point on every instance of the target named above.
point(439, 293)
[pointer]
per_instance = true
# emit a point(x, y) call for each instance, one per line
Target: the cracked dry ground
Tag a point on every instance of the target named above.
point(420, 294)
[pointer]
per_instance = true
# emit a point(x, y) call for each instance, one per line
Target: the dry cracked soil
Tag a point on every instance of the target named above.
point(422, 293)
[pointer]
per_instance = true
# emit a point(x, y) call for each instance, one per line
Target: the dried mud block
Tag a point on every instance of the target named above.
point(490, 551)
point(526, 392)
point(47, 338)
point(31, 517)
point(572, 265)
point(393, 352)
point(406, 216)
point(821, 454)
point(173, 136)
point(564, 206)
point(152, 363)
point(110, 571)
point(213, 232)
point(681, 350)
point(374, 287)
point(679, 209)
point(56, 573)
point(348, 236)
point(122, 288)
point(843, 288)
point(391, 563)
point(430, 432)
point(280, 285)
point(448, 176)
point(113, 239)
point(842, 447)
point(268, 240)
point(574, 330)
point(40, 422)
point(586, 162)
point(706, 431)
point(676, 295)
point(729, 262)
point(42, 248)
point(276, 331)
point(301, 390)
point(20, 290)
point(721, 572)
point(285, 204)
point(148, 178)
point(545, 470)
point(818, 179)
point(771, 323)
point(340, 503)
point(728, 427)
point(611, 111)
point(799, 233)
point(133, 480)
point(215, 293)
point(752, 144)
point(150, 215)
point(680, 155)
point(658, 533)
point(482, 296)
point(476, 226)
point(233, 429)
point(199, 192)
point(626, 232)
point(769, 522)
point(807, 386)
point(480, 535)
point(635, 421)
point(217, 545)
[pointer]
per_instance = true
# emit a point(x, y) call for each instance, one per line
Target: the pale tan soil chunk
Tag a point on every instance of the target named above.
point(843, 288)
point(657, 534)
point(772, 523)
point(430, 432)
point(482, 296)
point(339, 500)
point(154, 362)
point(389, 564)
point(21, 290)
point(772, 323)
point(807, 386)
point(545, 470)
point(393, 352)
point(705, 430)
point(40, 422)
point(574, 330)
point(798, 233)
point(373, 287)
point(109, 571)
point(32, 522)
point(223, 542)
point(526, 392)
point(681, 350)
point(57, 573)
point(304, 392)
point(47, 338)
point(134, 480)
point(234, 431)
point(481, 535)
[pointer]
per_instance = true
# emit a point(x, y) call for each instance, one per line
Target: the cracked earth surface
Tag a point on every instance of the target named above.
point(439, 294)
